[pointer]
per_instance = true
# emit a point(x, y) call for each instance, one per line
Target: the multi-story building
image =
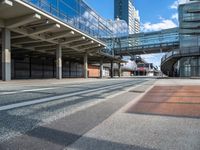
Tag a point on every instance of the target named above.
point(125, 10)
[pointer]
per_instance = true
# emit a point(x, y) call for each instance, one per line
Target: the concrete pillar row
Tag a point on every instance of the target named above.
point(85, 66)
point(101, 69)
point(59, 62)
point(6, 55)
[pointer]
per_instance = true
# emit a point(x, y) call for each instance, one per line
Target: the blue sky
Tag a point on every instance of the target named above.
point(154, 14)
point(150, 10)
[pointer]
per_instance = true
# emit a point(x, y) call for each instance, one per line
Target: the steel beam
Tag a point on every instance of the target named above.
point(78, 44)
point(37, 44)
point(73, 39)
point(24, 41)
point(45, 48)
point(22, 20)
point(44, 28)
point(5, 4)
point(60, 35)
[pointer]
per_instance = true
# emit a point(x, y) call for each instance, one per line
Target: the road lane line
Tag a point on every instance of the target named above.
point(40, 89)
point(48, 99)
point(8, 93)
point(23, 91)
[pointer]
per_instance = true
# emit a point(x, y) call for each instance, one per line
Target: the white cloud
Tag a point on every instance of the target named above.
point(164, 24)
point(177, 2)
point(153, 58)
point(175, 16)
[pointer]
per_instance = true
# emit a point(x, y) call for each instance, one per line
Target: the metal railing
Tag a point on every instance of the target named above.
point(182, 52)
point(146, 48)
point(150, 39)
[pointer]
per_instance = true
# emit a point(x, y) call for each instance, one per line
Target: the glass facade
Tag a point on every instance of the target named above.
point(120, 30)
point(188, 55)
point(77, 14)
point(188, 67)
point(189, 18)
point(150, 39)
point(116, 33)
point(80, 16)
point(125, 10)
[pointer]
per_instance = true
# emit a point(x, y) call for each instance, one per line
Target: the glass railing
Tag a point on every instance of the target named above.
point(77, 14)
point(146, 40)
point(189, 51)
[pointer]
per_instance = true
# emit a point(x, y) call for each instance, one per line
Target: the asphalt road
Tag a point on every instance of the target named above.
point(24, 107)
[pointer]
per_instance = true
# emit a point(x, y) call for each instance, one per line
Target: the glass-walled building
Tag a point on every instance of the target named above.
point(189, 19)
point(188, 63)
point(79, 15)
point(188, 67)
point(125, 10)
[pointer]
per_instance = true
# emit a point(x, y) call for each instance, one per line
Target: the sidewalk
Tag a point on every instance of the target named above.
point(151, 127)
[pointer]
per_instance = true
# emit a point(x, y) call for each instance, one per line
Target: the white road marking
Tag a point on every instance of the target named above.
point(42, 100)
point(23, 91)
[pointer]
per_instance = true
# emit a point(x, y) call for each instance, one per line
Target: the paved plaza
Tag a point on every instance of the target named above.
point(107, 114)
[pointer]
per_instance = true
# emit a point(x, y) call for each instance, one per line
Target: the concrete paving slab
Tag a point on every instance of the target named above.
point(131, 131)
point(141, 132)
point(171, 101)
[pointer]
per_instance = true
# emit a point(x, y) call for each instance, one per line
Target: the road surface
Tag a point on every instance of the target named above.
point(25, 107)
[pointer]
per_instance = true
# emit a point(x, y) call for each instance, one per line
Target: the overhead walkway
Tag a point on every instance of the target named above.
point(150, 42)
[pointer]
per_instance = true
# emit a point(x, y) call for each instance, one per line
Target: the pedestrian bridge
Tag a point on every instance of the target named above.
point(145, 43)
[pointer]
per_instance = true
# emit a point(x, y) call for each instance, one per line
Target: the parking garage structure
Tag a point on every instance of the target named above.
point(39, 40)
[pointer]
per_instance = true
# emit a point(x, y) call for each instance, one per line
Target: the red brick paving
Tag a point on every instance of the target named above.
point(179, 101)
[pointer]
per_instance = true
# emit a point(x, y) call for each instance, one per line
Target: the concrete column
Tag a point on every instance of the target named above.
point(111, 70)
point(6, 55)
point(120, 70)
point(86, 66)
point(30, 66)
point(101, 69)
point(59, 62)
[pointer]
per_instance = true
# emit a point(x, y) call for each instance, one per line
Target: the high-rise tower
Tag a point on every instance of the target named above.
point(125, 10)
